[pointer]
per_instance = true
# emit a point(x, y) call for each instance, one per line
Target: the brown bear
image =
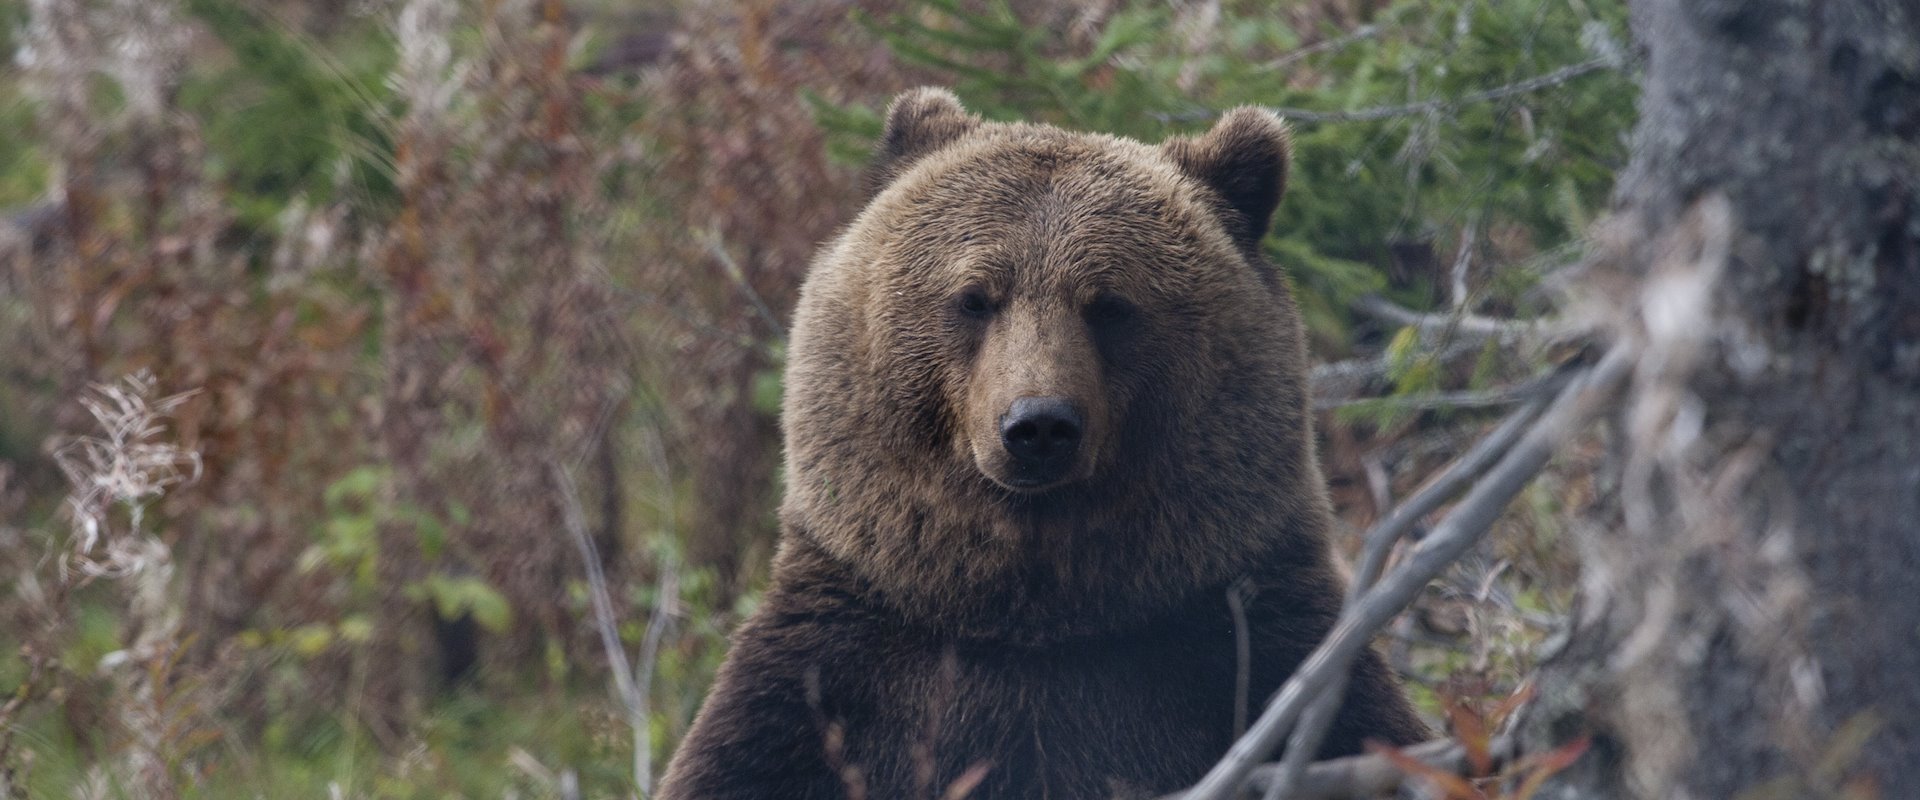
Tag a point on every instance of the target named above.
point(1046, 409)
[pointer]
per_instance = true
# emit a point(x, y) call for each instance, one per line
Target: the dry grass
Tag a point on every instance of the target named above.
point(127, 465)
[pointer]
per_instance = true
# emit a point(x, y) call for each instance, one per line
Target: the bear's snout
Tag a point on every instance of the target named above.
point(1035, 405)
point(1042, 437)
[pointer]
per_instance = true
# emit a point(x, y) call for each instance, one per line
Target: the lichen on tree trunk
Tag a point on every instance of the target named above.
point(1751, 605)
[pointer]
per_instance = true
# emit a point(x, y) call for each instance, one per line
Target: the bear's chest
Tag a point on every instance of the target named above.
point(1127, 716)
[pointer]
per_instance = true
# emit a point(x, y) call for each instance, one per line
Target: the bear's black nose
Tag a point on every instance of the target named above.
point(1042, 434)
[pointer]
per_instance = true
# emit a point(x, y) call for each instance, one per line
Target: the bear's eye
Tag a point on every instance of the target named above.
point(974, 303)
point(1109, 310)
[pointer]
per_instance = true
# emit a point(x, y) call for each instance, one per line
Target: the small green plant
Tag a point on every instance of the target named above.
point(358, 506)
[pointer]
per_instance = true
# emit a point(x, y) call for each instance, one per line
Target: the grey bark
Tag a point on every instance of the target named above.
point(1750, 611)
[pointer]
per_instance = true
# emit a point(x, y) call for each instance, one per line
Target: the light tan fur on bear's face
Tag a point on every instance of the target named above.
point(1004, 261)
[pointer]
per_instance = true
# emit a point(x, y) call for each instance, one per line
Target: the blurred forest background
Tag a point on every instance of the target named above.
point(380, 382)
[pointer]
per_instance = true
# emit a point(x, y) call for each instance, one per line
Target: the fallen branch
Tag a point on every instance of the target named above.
point(1327, 667)
point(1427, 401)
point(1307, 737)
point(1472, 326)
point(1452, 335)
point(1341, 381)
point(1378, 545)
point(1451, 481)
point(1366, 776)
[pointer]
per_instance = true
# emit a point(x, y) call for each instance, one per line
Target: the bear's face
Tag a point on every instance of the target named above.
point(1045, 369)
point(1064, 303)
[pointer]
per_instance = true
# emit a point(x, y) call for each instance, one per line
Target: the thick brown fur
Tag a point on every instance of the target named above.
point(928, 624)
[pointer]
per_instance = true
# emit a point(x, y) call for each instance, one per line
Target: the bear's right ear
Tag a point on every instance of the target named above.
point(1243, 159)
point(919, 122)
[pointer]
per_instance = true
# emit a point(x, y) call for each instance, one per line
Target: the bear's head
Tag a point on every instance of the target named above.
point(1044, 385)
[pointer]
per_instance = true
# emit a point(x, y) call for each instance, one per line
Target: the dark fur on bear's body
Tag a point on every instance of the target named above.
point(935, 616)
point(1132, 714)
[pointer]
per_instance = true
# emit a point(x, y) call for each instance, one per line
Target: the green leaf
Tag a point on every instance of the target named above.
point(1402, 351)
point(359, 484)
point(310, 640)
point(466, 595)
point(356, 628)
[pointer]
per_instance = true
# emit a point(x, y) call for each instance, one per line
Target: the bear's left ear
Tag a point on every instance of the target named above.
point(1243, 159)
point(919, 122)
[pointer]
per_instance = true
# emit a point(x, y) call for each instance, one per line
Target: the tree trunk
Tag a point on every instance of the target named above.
point(1750, 613)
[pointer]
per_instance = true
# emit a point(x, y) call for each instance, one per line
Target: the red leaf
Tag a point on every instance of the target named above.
point(1454, 786)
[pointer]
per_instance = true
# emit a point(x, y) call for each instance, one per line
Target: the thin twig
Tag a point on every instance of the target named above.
point(1375, 113)
point(1358, 34)
point(718, 249)
point(665, 601)
point(627, 691)
point(1533, 84)
point(634, 685)
point(1463, 263)
point(1459, 531)
point(1242, 654)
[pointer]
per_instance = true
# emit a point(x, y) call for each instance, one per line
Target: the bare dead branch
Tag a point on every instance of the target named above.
point(717, 248)
point(1452, 335)
point(1306, 739)
point(1470, 326)
point(626, 690)
point(1379, 543)
point(1463, 262)
point(1453, 480)
point(666, 600)
point(1459, 531)
point(1340, 381)
point(1355, 777)
point(1426, 401)
point(1337, 381)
